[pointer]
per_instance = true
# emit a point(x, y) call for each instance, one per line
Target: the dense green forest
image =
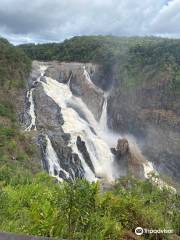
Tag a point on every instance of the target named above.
point(134, 56)
point(33, 203)
point(100, 49)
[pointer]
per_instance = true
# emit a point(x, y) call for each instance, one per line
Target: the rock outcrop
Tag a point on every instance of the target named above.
point(82, 148)
point(49, 121)
point(68, 160)
point(146, 111)
point(128, 159)
point(80, 78)
point(48, 113)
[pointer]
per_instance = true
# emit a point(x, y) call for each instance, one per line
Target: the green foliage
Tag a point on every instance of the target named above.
point(137, 59)
point(14, 67)
point(17, 163)
point(17, 151)
point(79, 210)
point(36, 205)
point(7, 132)
point(148, 59)
point(6, 110)
point(17, 157)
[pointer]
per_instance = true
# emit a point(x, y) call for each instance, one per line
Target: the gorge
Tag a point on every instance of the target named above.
point(69, 112)
point(89, 138)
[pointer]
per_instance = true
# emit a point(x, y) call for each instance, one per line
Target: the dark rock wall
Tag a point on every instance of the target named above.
point(150, 112)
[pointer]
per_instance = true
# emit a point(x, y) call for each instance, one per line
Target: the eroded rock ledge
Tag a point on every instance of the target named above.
point(77, 76)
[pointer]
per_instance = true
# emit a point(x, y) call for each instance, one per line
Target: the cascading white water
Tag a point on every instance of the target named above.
point(97, 137)
point(149, 169)
point(103, 119)
point(69, 80)
point(31, 110)
point(75, 125)
point(98, 144)
point(31, 101)
point(87, 76)
point(53, 160)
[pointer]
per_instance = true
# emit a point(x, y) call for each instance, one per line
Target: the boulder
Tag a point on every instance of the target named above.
point(121, 149)
point(81, 145)
point(128, 158)
point(122, 146)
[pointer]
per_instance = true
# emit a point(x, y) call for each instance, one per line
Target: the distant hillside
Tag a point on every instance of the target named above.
point(129, 55)
point(96, 48)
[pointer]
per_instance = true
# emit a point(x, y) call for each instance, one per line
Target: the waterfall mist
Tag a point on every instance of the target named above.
point(75, 125)
point(79, 122)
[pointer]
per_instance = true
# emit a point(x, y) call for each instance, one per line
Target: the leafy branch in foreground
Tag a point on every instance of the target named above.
point(79, 210)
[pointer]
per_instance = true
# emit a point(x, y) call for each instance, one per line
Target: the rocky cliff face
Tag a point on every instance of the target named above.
point(151, 113)
point(64, 152)
point(48, 121)
point(72, 138)
point(78, 76)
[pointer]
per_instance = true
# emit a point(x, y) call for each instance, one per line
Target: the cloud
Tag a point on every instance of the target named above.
point(55, 20)
point(168, 19)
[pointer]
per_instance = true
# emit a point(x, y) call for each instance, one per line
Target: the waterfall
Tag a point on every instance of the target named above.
point(69, 80)
point(31, 102)
point(103, 119)
point(53, 162)
point(75, 125)
point(148, 169)
point(31, 111)
point(79, 121)
point(87, 76)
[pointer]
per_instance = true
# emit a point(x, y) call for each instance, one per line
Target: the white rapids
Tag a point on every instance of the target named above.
point(79, 121)
point(149, 169)
point(31, 101)
point(103, 119)
point(88, 129)
point(87, 76)
point(53, 160)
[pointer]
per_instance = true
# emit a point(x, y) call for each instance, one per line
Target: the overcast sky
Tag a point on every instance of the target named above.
point(24, 21)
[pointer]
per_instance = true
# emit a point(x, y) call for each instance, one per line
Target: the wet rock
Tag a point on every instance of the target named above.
point(91, 95)
point(68, 160)
point(128, 160)
point(55, 172)
point(62, 175)
point(81, 145)
point(151, 113)
point(49, 121)
point(73, 74)
point(42, 143)
point(43, 79)
point(121, 149)
point(48, 113)
point(35, 73)
point(77, 166)
point(122, 146)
